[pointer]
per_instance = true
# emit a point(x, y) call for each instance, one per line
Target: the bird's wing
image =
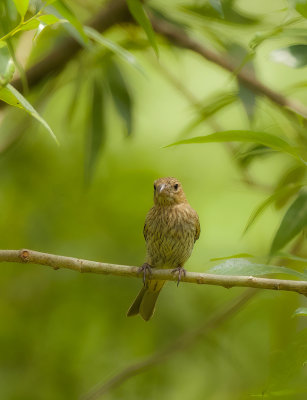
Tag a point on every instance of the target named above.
point(147, 223)
point(197, 226)
point(145, 231)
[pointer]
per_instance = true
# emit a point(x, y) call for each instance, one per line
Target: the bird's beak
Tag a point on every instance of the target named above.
point(161, 188)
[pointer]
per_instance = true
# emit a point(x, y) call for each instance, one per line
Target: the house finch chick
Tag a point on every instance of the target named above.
point(171, 229)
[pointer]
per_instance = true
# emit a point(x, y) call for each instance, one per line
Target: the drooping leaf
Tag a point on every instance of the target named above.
point(25, 105)
point(29, 25)
point(9, 98)
point(75, 28)
point(136, 9)
point(212, 106)
point(300, 312)
point(22, 6)
point(243, 61)
point(218, 6)
point(284, 191)
point(248, 155)
point(7, 67)
point(292, 223)
point(221, 11)
point(113, 47)
point(294, 56)
point(264, 138)
point(48, 19)
point(293, 175)
point(239, 255)
point(291, 257)
point(300, 6)
point(166, 17)
point(248, 99)
point(96, 134)
point(239, 266)
point(281, 30)
point(121, 94)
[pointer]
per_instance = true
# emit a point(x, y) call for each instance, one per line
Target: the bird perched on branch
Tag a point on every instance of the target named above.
point(171, 229)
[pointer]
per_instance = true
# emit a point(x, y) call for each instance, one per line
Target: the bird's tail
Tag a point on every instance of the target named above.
point(145, 301)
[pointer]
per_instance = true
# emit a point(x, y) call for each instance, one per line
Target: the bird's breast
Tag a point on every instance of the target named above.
point(170, 236)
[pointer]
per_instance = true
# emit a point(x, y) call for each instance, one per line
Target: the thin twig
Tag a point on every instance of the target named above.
point(180, 344)
point(116, 12)
point(76, 264)
point(180, 38)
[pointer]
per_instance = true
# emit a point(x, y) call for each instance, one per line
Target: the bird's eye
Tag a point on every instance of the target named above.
point(154, 187)
point(176, 186)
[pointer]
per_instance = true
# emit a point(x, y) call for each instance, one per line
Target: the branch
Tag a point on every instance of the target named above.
point(76, 264)
point(115, 12)
point(180, 38)
point(180, 344)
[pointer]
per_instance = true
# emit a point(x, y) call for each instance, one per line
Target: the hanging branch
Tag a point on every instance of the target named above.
point(180, 344)
point(76, 264)
point(116, 12)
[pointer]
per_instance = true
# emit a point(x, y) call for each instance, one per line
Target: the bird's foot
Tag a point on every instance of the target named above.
point(181, 272)
point(146, 269)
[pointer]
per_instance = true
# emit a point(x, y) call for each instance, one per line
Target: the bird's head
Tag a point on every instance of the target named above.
point(168, 191)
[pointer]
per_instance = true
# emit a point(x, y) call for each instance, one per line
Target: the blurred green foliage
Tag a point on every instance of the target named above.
point(61, 333)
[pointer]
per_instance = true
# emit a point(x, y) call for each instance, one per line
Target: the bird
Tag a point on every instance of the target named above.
point(171, 228)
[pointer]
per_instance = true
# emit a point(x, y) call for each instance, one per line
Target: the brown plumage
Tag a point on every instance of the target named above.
point(171, 229)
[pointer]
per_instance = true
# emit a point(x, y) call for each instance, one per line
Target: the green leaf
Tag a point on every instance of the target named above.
point(97, 128)
point(301, 7)
point(264, 138)
point(293, 222)
point(299, 312)
point(293, 175)
point(218, 6)
point(246, 156)
point(25, 105)
point(137, 11)
point(48, 19)
point(9, 98)
point(294, 56)
point(221, 11)
point(239, 255)
point(75, 28)
point(213, 105)
point(113, 47)
point(248, 99)
point(28, 25)
point(120, 93)
point(7, 67)
point(22, 6)
point(291, 257)
point(280, 193)
point(238, 266)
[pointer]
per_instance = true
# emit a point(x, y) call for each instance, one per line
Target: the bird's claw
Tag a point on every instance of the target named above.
point(181, 272)
point(146, 269)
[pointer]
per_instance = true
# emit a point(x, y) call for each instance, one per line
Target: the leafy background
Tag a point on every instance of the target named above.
point(113, 109)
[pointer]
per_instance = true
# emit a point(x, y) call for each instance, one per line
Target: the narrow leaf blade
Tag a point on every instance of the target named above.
point(264, 138)
point(97, 129)
point(23, 103)
point(22, 6)
point(7, 66)
point(121, 94)
point(75, 28)
point(293, 222)
point(113, 47)
point(285, 191)
point(238, 266)
point(137, 10)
